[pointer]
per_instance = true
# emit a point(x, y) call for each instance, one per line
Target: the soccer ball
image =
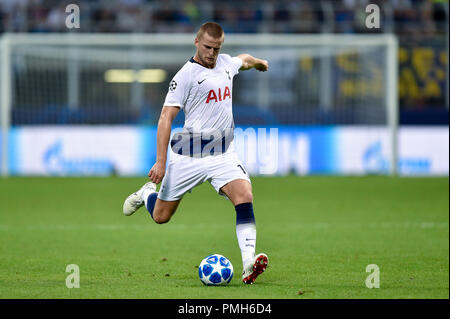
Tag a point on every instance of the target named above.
point(215, 270)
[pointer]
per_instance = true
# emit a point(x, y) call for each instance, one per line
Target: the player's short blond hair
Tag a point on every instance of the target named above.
point(212, 28)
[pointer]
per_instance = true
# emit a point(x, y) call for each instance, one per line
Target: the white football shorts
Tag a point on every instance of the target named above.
point(183, 173)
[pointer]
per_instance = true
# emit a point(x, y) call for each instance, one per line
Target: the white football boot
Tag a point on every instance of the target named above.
point(135, 201)
point(254, 268)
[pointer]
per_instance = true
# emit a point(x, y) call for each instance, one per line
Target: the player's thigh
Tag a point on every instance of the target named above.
point(239, 191)
point(183, 174)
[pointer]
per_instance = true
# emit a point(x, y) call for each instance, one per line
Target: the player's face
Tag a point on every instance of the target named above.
point(208, 49)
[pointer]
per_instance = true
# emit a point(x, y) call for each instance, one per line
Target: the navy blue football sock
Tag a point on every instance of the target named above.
point(150, 203)
point(244, 213)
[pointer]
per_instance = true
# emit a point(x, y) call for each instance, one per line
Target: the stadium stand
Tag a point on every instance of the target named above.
point(421, 26)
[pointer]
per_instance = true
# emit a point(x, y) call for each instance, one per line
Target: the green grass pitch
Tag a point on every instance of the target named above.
point(320, 233)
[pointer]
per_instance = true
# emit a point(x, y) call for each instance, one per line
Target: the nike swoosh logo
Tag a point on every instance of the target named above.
point(247, 239)
point(200, 82)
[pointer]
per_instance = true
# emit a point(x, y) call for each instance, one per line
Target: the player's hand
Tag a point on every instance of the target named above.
point(157, 173)
point(263, 65)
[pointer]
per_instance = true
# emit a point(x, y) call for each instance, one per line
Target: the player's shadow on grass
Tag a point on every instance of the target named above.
point(234, 285)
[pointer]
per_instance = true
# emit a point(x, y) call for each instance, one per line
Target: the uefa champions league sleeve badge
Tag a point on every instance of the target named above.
point(172, 85)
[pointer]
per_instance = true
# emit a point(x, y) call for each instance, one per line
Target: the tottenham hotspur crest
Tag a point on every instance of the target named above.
point(172, 85)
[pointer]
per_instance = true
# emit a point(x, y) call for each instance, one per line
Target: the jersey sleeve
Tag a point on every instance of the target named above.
point(178, 92)
point(234, 62)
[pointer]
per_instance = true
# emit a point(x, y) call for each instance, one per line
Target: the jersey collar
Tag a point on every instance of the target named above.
point(193, 61)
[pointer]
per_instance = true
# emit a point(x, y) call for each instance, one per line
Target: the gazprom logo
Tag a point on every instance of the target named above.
point(375, 162)
point(373, 159)
point(56, 164)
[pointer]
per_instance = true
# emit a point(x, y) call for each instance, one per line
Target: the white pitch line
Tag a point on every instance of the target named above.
point(114, 227)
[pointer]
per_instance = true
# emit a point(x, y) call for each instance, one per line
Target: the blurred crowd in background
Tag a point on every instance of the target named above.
point(284, 16)
point(421, 27)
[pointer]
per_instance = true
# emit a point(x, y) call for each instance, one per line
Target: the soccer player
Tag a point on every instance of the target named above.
point(204, 150)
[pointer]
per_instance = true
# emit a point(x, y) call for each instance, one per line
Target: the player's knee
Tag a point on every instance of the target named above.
point(162, 216)
point(161, 219)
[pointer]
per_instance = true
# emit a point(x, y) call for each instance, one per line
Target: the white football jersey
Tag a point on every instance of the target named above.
point(205, 95)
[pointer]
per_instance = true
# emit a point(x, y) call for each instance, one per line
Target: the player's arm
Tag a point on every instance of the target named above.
point(158, 170)
point(249, 62)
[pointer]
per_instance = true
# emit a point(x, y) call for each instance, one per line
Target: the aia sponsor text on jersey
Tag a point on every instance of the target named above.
point(219, 97)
